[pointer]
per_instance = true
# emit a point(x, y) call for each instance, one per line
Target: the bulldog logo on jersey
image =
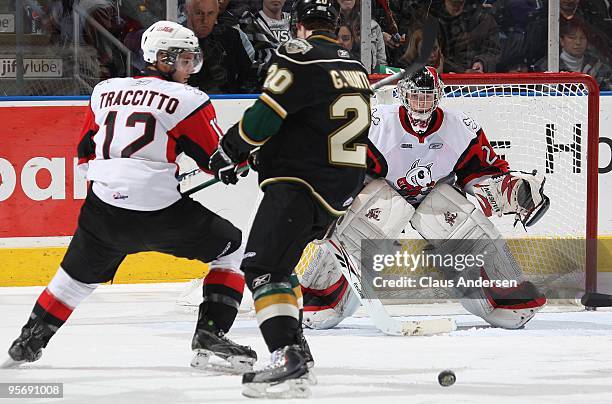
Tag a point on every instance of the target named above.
point(418, 180)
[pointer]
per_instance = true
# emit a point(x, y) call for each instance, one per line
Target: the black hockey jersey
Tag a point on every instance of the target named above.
point(323, 97)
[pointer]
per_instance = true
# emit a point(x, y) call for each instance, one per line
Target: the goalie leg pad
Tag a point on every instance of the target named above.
point(508, 318)
point(378, 212)
point(328, 299)
point(453, 225)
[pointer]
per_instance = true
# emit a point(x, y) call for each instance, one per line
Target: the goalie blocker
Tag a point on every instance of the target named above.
point(327, 300)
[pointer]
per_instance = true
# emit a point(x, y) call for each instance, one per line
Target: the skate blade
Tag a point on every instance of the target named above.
point(208, 361)
point(292, 388)
point(11, 364)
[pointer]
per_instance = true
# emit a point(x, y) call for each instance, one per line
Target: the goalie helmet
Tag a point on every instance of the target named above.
point(310, 9)
point(420, 95)
point(179, 46)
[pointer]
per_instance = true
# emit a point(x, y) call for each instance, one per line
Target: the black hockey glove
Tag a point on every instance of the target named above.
point(223, 167)
point(232, 151)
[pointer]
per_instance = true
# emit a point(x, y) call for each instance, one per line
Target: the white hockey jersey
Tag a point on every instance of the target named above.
point(413, 163)
point(134, 130)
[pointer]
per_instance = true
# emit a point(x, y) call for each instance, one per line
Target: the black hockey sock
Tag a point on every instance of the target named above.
point(222, 291)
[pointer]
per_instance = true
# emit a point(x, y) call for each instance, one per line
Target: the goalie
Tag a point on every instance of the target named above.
point(425, 159)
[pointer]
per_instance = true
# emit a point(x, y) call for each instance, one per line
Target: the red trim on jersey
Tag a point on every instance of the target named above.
point(153, 76)
point(405, 121)
point(479, 160)
point(202, 129)
point(232, 280)
point(90, 128)
point(54, 306)
point(377, 168)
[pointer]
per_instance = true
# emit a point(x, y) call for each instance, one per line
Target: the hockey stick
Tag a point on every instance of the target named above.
point(205, 184)
point(381, 319)
point(430, 33)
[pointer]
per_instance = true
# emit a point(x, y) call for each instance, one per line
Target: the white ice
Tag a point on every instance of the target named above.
point(129, 344)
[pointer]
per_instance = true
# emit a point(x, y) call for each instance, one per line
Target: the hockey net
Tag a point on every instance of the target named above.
point(546, 122)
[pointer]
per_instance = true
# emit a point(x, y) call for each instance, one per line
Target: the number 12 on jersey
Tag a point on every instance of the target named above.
point(340, 153)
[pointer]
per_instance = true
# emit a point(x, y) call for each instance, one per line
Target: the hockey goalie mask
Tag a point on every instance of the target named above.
point(177, 45)
point(420, 95)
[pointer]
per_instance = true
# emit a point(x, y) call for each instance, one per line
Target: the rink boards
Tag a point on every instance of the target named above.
point(40, 195)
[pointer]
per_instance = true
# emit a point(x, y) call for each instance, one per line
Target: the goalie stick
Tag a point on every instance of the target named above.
point(430, 33)
point(376, 310)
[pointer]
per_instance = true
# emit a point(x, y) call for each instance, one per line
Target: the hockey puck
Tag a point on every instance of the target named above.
point(447, 378)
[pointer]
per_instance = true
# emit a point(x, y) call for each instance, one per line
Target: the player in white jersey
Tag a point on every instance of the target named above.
point(432, 156)
point(134, 130)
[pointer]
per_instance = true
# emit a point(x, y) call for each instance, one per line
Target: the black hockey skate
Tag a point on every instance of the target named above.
point(206, 344)
point(287, 376)
point(28, 347)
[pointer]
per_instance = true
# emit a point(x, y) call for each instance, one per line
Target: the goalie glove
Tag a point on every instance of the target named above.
point(514, 193)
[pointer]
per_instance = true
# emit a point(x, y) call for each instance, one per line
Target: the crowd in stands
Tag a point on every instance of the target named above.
point(238, 37)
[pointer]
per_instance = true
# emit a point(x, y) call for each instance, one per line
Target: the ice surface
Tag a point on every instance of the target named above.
point(129, 344)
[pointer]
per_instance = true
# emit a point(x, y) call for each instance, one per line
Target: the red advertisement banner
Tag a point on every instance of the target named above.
point(39, 193)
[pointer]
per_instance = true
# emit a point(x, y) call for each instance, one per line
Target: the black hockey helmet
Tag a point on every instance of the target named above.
point(303, 10)
point(420, 94)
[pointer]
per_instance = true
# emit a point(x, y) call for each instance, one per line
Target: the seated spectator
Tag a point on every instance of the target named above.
point(350, 15)
point(436, 59)
point(345, 37)
point(574, 56)
point(278, 21)
point(513, 18)
point(592, 11)
point(227, 65)
point(471, 37)
point(377, 47)
point(227, 17)
point(266, 30)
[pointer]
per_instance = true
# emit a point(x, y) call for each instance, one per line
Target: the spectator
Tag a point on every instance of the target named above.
point(471, 37)
point(278, 21)
point(227, 65)
point(345, 37)
point(227, 17)
point(574, 56)
point(265, 37)
point(349, 15)
point(377, 47)
point(513, 18)
point(436, 59)
point(598, 30)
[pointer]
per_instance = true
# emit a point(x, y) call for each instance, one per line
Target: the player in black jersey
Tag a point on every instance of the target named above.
point(311, 124)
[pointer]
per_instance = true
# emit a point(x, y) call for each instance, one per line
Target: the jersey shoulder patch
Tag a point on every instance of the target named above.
point(296, 46)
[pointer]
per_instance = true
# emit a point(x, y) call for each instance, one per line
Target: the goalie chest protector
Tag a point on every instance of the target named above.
point(413, 163)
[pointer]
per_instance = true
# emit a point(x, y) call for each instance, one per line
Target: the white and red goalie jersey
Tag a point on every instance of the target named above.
point(133, 132)
point(413, 163)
